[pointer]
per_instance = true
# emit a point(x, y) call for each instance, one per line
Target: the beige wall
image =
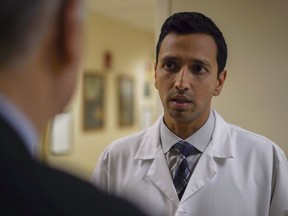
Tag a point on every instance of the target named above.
point(255, 93)
point(132, 51)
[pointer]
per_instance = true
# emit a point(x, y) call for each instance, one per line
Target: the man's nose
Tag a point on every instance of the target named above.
point(182, 79)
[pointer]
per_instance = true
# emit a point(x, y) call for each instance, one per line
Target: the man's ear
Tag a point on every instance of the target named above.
point(70, 31)
point(155, 76)
point(220, 83)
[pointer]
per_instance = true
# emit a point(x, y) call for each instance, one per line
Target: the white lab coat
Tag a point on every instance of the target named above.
point(239, 174)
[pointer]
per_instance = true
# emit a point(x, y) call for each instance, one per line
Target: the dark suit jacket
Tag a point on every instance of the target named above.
point(28, 187)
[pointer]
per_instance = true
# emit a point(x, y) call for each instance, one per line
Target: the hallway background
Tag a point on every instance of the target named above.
point(120, 40)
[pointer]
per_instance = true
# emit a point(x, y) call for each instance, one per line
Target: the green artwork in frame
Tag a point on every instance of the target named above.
point(93, 97)
point(125, 101)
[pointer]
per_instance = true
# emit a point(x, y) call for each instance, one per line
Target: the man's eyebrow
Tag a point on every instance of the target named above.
point(199, 61)
point(169, 58)
point(203, 62)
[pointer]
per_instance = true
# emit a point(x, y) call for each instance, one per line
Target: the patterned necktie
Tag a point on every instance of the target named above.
point(183, 172)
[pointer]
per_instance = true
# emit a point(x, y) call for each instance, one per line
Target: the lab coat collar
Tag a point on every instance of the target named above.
point(206, 169)
point(221, 140)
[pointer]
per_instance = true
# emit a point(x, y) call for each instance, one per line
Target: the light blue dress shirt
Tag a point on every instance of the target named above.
point(21, 124)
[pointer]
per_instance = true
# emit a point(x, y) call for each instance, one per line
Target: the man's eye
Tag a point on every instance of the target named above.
point(169, 66)
point(198, 68)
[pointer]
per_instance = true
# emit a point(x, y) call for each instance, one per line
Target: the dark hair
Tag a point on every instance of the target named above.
point(19, 22)
point(190, 23)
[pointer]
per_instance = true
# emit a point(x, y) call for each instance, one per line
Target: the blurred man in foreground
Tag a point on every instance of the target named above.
point(40, 43)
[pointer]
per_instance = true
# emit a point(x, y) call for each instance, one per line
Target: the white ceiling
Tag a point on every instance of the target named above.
point(138, 13)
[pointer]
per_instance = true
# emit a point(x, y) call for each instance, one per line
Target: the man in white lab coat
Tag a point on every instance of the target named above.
point(229, 171)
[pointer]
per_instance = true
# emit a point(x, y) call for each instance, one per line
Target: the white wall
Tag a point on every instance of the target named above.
point(255, 93)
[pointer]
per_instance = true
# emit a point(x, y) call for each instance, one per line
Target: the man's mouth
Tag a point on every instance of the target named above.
point(180, 102)
point(181, 99)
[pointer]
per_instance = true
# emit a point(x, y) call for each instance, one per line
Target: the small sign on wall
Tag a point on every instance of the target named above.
point(61, 133)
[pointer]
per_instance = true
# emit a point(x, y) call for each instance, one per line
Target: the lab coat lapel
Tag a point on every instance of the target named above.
point(158, 172)
point(160, 175)
point(203, 173)
point(206, 169)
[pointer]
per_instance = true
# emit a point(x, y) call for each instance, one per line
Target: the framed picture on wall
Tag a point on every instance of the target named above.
point(93, 100)
point(125, 93)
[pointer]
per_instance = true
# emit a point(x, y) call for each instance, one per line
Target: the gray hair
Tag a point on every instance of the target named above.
point(22, 23)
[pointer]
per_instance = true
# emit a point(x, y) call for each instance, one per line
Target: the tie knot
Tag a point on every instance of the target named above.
point(185, 148)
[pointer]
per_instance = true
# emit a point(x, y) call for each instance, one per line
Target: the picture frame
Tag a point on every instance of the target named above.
point(93, 100)
point(125, 93)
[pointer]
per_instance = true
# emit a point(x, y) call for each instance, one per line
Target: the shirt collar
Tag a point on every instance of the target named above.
point(17, 119)
point(200, 139)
